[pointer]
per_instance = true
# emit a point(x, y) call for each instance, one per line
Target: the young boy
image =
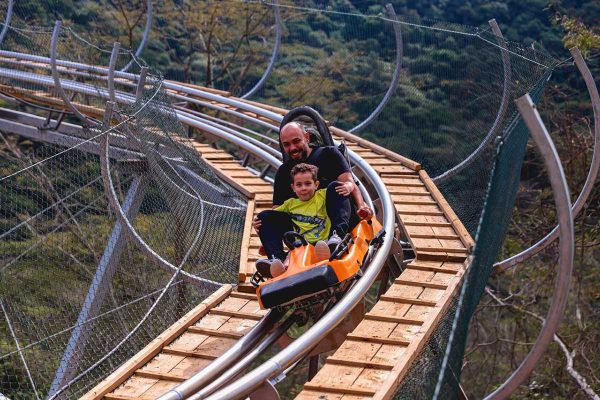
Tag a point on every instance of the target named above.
point(306, 214)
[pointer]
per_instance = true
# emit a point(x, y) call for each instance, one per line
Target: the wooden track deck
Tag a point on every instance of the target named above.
point(378, 353)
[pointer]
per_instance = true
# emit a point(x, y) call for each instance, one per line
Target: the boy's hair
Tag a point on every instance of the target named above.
point(303, 167)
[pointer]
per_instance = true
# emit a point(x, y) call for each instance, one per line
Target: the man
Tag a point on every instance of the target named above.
point(332, 167)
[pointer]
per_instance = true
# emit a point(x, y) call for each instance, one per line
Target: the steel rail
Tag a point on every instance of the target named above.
point(145, 35)
point(7, 18)
point(186, 118)
point(589, 181)
point(167, 84)
point(499, 115)
point(274, 54)
point(172, 86)
point(562, 200)
point(250, 355)
point(394, 82)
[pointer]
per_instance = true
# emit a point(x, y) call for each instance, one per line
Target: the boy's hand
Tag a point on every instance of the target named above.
point(256, 224)
point(345, 188)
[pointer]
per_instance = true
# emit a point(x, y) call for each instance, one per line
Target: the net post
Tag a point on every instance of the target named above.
point(394, 82)
point(111, 71)
point(562, 200)
point(274, 54)
point(55, 77)
point(139, 90)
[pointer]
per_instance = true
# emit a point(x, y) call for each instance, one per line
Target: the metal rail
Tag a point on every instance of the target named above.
point(394, 82)
point(7, 18)
point(589, 181)
point(142, 45)
point(274, 54)
point(55, 77)
point(499, 116)
point(558, 182)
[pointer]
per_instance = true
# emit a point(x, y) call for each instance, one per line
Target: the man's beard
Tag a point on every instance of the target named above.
point(303, 156)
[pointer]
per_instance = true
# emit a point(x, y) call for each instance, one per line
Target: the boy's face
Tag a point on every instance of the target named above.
point(304, 186)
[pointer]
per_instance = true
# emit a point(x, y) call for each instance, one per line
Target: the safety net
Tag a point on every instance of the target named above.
point(83, 289)
point(92, 266)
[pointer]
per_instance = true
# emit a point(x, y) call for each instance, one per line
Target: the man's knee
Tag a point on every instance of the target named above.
point(333, 185)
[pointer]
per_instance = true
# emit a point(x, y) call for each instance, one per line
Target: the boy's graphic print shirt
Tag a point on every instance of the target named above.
point(309, 216)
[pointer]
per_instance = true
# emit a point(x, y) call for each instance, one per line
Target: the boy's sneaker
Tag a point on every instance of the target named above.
point(322, 251)
point(277, 268)
point(263, 266)
point(333, 241)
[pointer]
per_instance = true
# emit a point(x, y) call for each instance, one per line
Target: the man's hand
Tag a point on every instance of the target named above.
point(364, 212)
point(344, 188)
point(256, 224)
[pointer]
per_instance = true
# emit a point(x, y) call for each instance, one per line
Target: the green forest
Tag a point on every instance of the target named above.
point(339, 57)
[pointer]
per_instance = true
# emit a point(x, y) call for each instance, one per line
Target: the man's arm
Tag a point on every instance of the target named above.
point(349, 187)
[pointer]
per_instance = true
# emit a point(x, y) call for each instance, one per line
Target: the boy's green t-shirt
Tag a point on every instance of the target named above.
point(309, 216)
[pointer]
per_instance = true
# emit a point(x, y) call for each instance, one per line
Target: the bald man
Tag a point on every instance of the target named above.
point(332, 166)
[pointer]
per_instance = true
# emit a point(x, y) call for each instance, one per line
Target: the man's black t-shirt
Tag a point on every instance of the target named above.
point(329, 160)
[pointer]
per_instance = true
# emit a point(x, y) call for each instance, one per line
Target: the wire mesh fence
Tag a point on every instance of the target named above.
point(79, 296)
point(454, 101)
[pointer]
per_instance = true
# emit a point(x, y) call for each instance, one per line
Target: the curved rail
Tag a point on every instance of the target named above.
point(566, 249)
point(274, 54)
point(7, 18)
point(142, 45)
point(395, 76)
point(589, 181)
point(499, 116)
point(55, 77)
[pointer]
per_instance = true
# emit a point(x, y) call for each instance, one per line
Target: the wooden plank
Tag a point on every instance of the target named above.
point(188, 353)
point(379, 149)
point(377, 339)
point(246, 296)
point(155, 346)
point(339, 389)
point(237, 314)
point(421, 284)
point(392, 318)
point(359, 363)
point(155, 375)
point(215, 332)
point(407, 300)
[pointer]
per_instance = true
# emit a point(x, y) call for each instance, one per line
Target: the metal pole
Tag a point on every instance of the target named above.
point(589, 181)
point(267, 72)
point(98, 289)
point(9, 12)
point(558, 182)
point(111, 71)
point(395, 76)
point(144, 37)
point(57, 84)
point(499, 116)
